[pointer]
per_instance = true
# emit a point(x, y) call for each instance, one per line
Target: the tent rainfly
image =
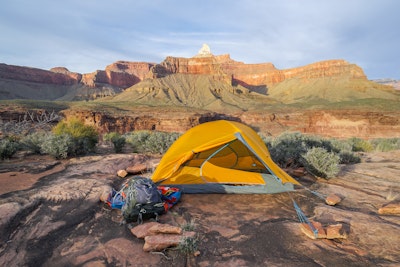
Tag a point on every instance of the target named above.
point(221, 157)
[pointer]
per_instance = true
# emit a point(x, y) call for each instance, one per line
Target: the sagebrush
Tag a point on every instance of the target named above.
point(117, 140)
point(319, 162)
point(85, 137)
point(8, 148)
point(151, 141)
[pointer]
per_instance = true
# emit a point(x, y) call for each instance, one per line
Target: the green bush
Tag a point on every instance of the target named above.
point(286, 149)
point(348, 157)
point(151, 142)
point(386, 144)
point(137, 139)
point(84, 137)
point(360, 145)
point(340, 145)
point(8, 147)
point(58, 146)
point(117, 139)
point(344, 149)
point(318, 161)
point(33, 142)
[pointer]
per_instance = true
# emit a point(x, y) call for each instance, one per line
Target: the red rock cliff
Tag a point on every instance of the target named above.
point(259, 74)
point(122, 74)
point(34, 75)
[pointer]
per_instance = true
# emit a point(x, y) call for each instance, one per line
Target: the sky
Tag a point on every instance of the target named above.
point(87, 35)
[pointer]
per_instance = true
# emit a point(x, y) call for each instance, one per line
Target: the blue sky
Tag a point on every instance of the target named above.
point(87, 35)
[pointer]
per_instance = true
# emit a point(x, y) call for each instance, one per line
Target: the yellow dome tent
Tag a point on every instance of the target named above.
point(221, 157)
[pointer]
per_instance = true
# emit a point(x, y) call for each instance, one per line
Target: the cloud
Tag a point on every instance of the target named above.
point(88, 35)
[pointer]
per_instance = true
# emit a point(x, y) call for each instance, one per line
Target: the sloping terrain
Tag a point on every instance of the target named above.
point(11, 89)
point(214, 83)
point(329, 89)
point(191, 90)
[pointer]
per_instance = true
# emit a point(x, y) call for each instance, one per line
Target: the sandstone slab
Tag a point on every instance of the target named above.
point(333, 199)
point(142, 230)
point(160, 242)
point(390, 209)
point(137, 169)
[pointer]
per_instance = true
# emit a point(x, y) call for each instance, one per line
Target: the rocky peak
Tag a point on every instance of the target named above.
point(204, 51)
point(74, 75)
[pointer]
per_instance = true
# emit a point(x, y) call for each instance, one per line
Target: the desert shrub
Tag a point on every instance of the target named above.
point(344, 149)
point(348, 157)
point(320, 162)
point(189, 226)
point(33, 142)
point(84, 137)
point(317, 141)
point(8, 147)
point(386, 144)
point(151, 142)
point(137, 139)
point(287, 148)
point(341, 145)
point(117, 139)
point(159, 142)
point(360, 145)
point(58, 146)
point(187, 246)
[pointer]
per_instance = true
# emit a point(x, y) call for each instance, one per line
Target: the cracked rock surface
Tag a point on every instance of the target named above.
point(50, 215)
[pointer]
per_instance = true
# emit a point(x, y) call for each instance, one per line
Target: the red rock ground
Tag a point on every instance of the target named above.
point(50, 215)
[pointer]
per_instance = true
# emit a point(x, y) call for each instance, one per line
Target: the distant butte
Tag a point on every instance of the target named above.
point(123, 74)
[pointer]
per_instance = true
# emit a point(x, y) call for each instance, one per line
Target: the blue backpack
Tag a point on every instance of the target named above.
point(142, 200)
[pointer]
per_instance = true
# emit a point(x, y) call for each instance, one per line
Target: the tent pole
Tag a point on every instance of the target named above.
point(212, 155)
point(241, 139)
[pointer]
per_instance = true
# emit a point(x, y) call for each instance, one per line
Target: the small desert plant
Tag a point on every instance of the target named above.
point(151, 142)
point(287, 148)
point(159, 142)
point(391, 196)
point(189, 226)
point(348, 157)
point(386, 144)
point(58, 146)
point(320, 162)
point(8, 147)
point(187, 245)
point(344, 149)
point(117, 139)
point(33, 142)
point(84, 137)
point(137, 139)
point(360, 145)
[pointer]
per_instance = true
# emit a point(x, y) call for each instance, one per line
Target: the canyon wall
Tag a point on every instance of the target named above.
point(123, 74)
point(259, 74)
point(327, 123)
point(60, 76)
